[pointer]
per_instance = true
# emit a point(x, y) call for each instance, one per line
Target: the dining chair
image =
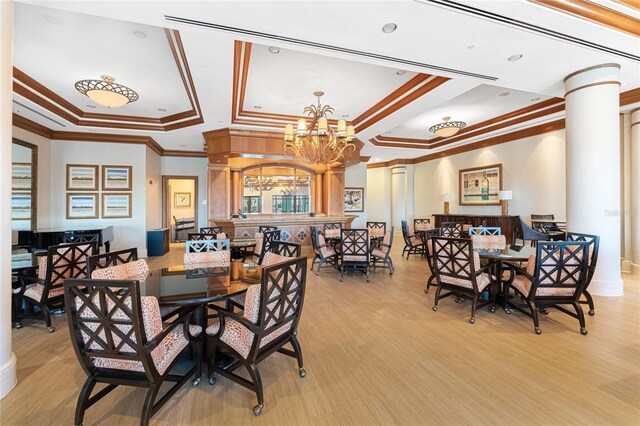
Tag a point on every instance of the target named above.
point(218, 257)
point(211, 230)
point(332, 230)
point(451, 230)
point(119, 339)
point(268, 323)
point(485, 230)
point(285, 248)
point(421, 224)
point(594, 248)
point(323, 254)
point(109, 259)
point(550, 228)
point(206, 244)
point(555, 276)
point(61, 262)
point(263, 244)
point(457, 269)
point(265, 228)
point(377, 229)
point(413, 244)
point(382, 252)
point(522, 231)
point(355, 252)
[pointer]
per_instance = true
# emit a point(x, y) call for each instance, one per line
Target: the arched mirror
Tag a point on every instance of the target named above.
point(276, 189)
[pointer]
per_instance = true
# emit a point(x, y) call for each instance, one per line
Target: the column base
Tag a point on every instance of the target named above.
point(626, 266)
point(606, 288)
point(8, 378)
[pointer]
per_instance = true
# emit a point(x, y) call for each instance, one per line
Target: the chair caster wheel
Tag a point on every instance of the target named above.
point(544, 311)
point(302, 373)
point(472, 320)
point(426, 290)
point(63, 311)
point(537, 330)
point(435, 308)
point(583, 331)
point(592, 312)
point(508, 311)
point(17, 325)
point(257, 409)
point(458, 300)
point(492, 309)
point(212, 381)
point(51, 329)
point(195, 382)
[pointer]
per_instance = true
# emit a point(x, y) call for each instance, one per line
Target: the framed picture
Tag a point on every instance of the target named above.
point(82, 177)
point(20, 206)
point(354, 199)
point(21, 176)
point(479, 186)
point(116, 205)
point(116, 178)
point(182, 199)
point(82, 206)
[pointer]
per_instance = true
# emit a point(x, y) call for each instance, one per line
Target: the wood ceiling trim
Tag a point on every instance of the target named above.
point(635, 4)
point(56, 104)
point(595, 13)
point(630, 97)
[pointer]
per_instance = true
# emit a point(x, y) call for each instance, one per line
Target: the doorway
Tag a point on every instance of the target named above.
point(180, 205)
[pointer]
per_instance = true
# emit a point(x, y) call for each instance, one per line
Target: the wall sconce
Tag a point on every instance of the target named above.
point(446, 197)
point(504, 197)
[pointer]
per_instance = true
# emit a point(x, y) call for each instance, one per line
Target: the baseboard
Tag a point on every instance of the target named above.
point(626, 266)
point(635, 269)
point(8, 378)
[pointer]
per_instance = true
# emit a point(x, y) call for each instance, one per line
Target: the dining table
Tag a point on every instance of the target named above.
point(240, 247)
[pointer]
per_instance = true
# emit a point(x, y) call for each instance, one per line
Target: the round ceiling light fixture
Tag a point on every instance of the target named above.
point(162, 110)
point(257, 107)
point(401, 72)
point(140, 34)
point(274, 50)
point(389, 28)
point(535, 99)
point(90, 106)
point(515, 57)
point(447, 128)
point(503, 94)
point(107, 92)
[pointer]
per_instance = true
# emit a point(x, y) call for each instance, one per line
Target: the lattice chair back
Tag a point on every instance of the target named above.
point(113, 258)
point(211, 230)
point(484, 230)
point(285, 248)
point(454, 261)
point(62, 262)
point(560, 269)
point(199, 246)
point(332, 230)
point(421, 224)
point(355, 245)
point(594, 248)
point(524, 232)
point(451, 230)
point(265, 228)
point(267, 238)
point(107, 328)
point(377, 229)
point(80, 237)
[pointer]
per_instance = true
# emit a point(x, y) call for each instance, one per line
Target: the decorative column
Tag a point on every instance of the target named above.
point(7, 358)
point(237, 191)
point(635, 192)
point(333, 193)
point(316, 190)
point(219, 192)
point(593, 167)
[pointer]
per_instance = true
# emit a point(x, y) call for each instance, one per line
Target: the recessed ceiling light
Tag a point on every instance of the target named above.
point(257, 107)
point(535, 99)
point(274, 50)
point(471, 46)
point(345, 116)
point(90, 106)
point(624, 84)
point(389, 28)
point(503, 94)
point(162, 110)
point(515, 57)
point(140, 34)
point(183, 146)
point(219, 121)
point(401, 72)
point(376, 159)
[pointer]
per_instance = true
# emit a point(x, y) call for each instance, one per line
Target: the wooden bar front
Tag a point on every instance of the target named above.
point(505, 223)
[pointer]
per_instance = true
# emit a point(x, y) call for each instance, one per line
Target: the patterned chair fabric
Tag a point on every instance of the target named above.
point(332, 230)
point(355, 252)
point(484, 230)
point(263, 244)
point(322, 253)
point(555, 276)
point(451, 230)
point(212, 230)
point(413, 244)
point(198, 246)
point(112, 258)
point(207, 259)
point(592, 261)
point(489, 242)
point(422, 224)
point(458, 270)
point(383, 250)
point(137, 270)
point(114, 330)
point(269, 321)
point(377, 229)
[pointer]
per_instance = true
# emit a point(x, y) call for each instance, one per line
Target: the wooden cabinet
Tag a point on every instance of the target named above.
point(505, 223)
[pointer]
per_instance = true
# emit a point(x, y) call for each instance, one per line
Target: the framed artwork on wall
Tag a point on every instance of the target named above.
point(116, 178)
point(116, 205)
point(82, 177)
point(182, 199)
point(82, 206)
point(354, 199)
point(21, 176)
point(20, 206)
point(479, 186)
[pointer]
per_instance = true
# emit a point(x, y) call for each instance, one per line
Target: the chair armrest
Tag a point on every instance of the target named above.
point(520, 271)
point(24, 281)
point(485, 268)
point(225, 313)
point(183, 319)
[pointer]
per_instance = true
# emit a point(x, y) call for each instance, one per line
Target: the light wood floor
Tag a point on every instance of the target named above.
point(375, 353)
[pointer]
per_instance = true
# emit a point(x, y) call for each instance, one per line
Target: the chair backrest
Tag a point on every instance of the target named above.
point(594, 247)
point(421, 224)
point(543, 227)
point(355, 245)
point(285, 248)
point(454, 258)
point(560, 265)
point(105, 323)
point(451, 230)
point(387, 241)
point(264, 244)
point(484, 230)
point(405, 231)
point(336, 225)
point(65, 261)
point(489, 242)
point(280, 301)
point(265, 228)
point(113, 258)
point(524, 232)
point(80, 237)
point(377, 225)
point(198, 246)
point(211, 230)
point(314, 238)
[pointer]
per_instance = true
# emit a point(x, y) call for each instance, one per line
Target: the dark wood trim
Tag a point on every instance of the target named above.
point(635, 4)
point(630, 97)
point(31, 126)
point(600, 83)
point(594, 67)
point(595, 13)
point(166, 221)
point(175, 153)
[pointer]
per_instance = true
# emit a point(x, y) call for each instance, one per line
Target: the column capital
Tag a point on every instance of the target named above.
point(592, 76)
point(635, 117)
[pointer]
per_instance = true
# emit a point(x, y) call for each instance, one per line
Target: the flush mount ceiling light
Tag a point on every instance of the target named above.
point(140, 34)
point(401, 72)
point(515, 57)
point(107, 92)
point(274, 50)
point(447, 128)
point(389, 28)
point(503, 94)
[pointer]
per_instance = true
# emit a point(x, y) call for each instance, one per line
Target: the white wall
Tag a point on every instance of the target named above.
point(179, 166)
point(129, 232)
point(356, 176)
point(153, 185)
point(378, 194)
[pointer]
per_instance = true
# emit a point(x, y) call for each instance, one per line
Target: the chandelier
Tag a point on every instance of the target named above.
point(107, 92)
point(318, 143)
point(447, 128)
point(253, 183)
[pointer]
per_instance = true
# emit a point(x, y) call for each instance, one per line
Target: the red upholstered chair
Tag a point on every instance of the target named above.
point(119, 339)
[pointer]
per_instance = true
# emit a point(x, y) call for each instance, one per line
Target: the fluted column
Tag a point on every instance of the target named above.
point(635, 192)
point(7, 358)
point(593, 167)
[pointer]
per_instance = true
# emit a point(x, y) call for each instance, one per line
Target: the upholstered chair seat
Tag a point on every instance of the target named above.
point(137, 270)
point(326, 250)
point(36, 291)
point(489, 242)
point(220, 258)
